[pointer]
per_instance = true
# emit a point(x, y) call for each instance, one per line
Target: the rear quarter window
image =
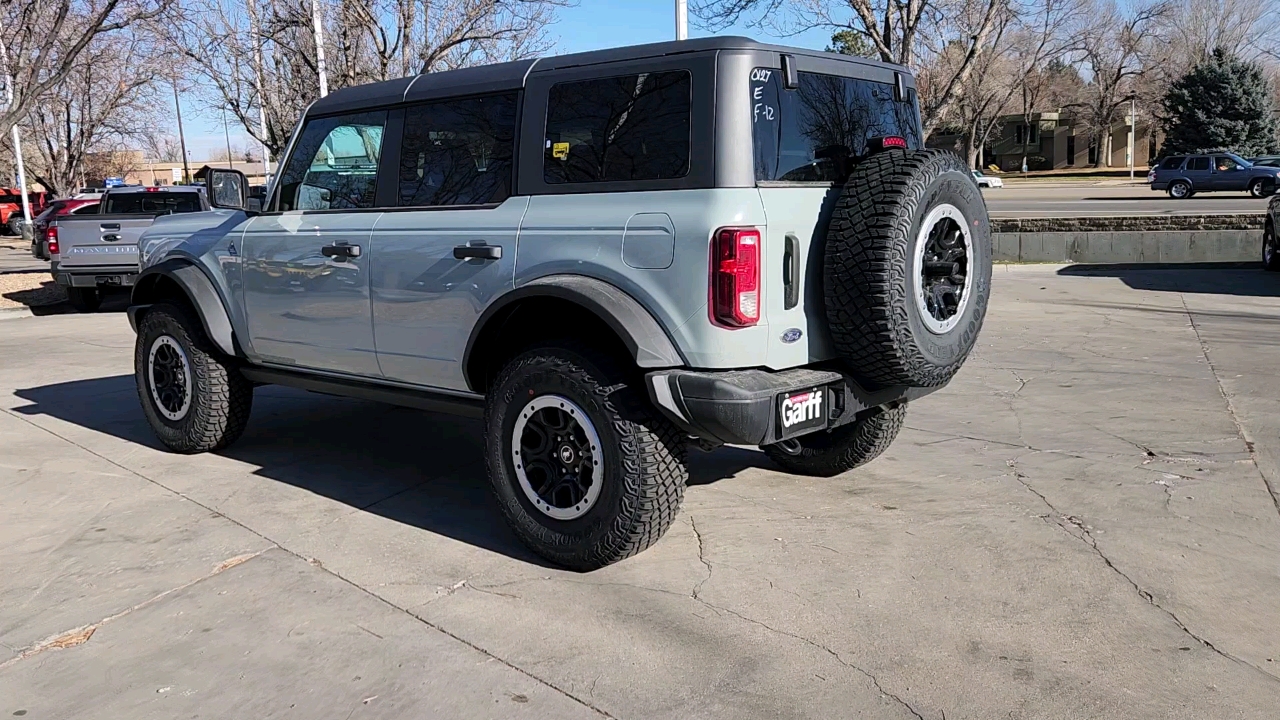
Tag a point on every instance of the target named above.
point(1172, 163)
point(817, 132)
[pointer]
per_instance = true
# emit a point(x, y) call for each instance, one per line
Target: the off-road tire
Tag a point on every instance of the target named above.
point(868, 281)
point(828, 453)
point(1270, 251)
point(644, 458)
point(85, 300)
point(221, 398)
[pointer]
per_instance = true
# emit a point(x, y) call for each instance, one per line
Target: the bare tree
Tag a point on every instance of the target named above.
point(914, 33)
point(259, 55)
point(43, 41)
point(162, 147)
point(1114, 53)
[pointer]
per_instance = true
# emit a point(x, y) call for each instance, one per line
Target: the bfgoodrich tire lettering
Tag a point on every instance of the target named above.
point(872, 270)
point(219, 399)
point(643, 459)
point(823, 454)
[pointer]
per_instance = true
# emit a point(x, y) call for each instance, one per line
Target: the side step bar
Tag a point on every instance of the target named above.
point(465, 405)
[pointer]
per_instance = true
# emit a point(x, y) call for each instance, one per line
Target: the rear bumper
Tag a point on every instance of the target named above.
point(106, 276)
point(744, 407)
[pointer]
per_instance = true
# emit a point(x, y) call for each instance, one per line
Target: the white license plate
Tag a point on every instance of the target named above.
point(802, 410)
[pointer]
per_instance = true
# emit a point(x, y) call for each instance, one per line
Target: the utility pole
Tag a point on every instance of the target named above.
point(1133, 130)
point(17, 140)
point(251, 6)
point(182, 138)
point(231, 159)
point(682, 19)
point(319, 29)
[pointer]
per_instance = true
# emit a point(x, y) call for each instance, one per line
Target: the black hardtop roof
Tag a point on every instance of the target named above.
point(512, 75)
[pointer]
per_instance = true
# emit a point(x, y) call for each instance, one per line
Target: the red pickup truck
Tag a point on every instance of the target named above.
point(11, 208)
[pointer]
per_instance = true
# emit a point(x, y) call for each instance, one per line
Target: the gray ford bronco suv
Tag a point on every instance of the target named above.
point(609, 257)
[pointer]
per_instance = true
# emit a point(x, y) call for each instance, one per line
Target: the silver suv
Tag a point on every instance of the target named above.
point(609, 257)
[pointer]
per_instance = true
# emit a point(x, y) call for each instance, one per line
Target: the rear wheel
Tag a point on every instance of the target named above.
point(85, 300)
point(824, 454)
point(1180, 190)
point(194, 397)
point(1270, 253)
point(583, 469)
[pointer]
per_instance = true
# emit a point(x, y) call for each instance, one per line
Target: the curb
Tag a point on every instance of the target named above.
point(18, 312)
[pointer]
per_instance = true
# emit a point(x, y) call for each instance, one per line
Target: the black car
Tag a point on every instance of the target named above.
point(1185, 175)
point(1270, 249)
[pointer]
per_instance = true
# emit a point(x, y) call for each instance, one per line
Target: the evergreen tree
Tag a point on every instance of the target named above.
point(848, 42)
point(1223, 103)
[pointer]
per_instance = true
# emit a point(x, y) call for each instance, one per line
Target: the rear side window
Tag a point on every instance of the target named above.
point(816, 132)
point(90, 209)
point(630, 127)
point(458, 152)
point(1172, 163)
point(334, 165)
point(1198, 163)
point(153, 203)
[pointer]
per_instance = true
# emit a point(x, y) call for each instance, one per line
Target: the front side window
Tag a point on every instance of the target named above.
point(817, 132)
point(334, 164)
point(458, 152)
point(630, 127)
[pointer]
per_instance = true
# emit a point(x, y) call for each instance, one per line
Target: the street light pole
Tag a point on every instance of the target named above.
point(682, 19)
point(319, 30)
point(182, 138)
point(231, 160)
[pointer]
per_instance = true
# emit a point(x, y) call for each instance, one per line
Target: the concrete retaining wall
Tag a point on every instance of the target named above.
point(1179, 246)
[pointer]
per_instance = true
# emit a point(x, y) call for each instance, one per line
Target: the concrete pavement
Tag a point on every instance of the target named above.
point(1080, 525)
point(1036, 199)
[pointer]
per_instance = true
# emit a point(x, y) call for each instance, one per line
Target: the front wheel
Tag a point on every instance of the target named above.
point(1270, 253)
point(583, 469)
point(824, 454)
point(1261, 188)
point(194, 397)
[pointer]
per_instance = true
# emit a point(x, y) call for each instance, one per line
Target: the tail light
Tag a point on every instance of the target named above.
point(735, 277)
point(51, 237)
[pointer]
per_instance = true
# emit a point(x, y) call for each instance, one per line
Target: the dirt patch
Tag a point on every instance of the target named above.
point(29, 289)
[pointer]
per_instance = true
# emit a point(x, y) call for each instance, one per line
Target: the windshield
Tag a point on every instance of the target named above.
point(1242, 161)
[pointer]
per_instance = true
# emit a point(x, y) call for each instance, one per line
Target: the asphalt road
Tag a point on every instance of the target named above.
point(1080, 525)
point(1035, 200)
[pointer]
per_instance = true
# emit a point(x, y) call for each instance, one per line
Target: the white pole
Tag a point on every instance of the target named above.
point(682, 19)
point(17, 141)
point(1133, 131)
point(316, 22)
point(258, 79)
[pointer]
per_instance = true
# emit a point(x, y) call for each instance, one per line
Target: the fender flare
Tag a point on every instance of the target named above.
point(648, 343)
point(200, 292)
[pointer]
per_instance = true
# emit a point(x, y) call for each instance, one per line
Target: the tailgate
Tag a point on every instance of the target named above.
point(101, 240)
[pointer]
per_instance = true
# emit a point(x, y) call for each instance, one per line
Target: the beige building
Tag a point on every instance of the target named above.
point(169, 173)
point(1055, 141)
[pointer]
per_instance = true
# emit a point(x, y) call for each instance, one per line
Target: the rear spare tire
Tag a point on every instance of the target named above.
point(907, 269)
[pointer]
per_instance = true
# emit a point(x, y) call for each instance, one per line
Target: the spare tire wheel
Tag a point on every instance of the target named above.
point(907, 268)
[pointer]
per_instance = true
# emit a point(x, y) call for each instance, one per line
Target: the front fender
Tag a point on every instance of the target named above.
point(199, 291)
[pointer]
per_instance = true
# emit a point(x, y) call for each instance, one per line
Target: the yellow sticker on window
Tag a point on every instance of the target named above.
point(560, 150)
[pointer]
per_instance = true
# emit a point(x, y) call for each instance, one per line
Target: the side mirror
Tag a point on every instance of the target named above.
point(227, 189)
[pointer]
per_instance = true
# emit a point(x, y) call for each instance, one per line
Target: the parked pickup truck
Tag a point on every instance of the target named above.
point(97, 253)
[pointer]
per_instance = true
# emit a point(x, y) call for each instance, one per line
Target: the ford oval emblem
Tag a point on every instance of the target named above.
point(792, 335)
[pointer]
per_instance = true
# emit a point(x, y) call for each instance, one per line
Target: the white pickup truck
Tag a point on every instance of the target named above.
point(94, 254)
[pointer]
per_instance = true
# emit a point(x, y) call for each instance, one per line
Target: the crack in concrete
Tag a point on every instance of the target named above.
point(813, 643)
point(359, 588)
point(1231, 409)
point(1086, 537)
point(80, 635)
point(702, 557)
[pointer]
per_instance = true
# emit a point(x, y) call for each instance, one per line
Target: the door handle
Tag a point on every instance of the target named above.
point(479, 252)
point(341, 251)
point(110, 226)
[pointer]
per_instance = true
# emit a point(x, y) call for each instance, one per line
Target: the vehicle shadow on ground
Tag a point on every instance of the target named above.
point(417, 468)
point(1215, 278)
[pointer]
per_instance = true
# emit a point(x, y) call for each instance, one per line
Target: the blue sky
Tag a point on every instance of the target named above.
point(592, 25)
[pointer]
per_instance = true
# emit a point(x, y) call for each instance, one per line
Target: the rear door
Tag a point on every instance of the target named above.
point(306, 263)
point(1197, 170)
point(450, 248)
